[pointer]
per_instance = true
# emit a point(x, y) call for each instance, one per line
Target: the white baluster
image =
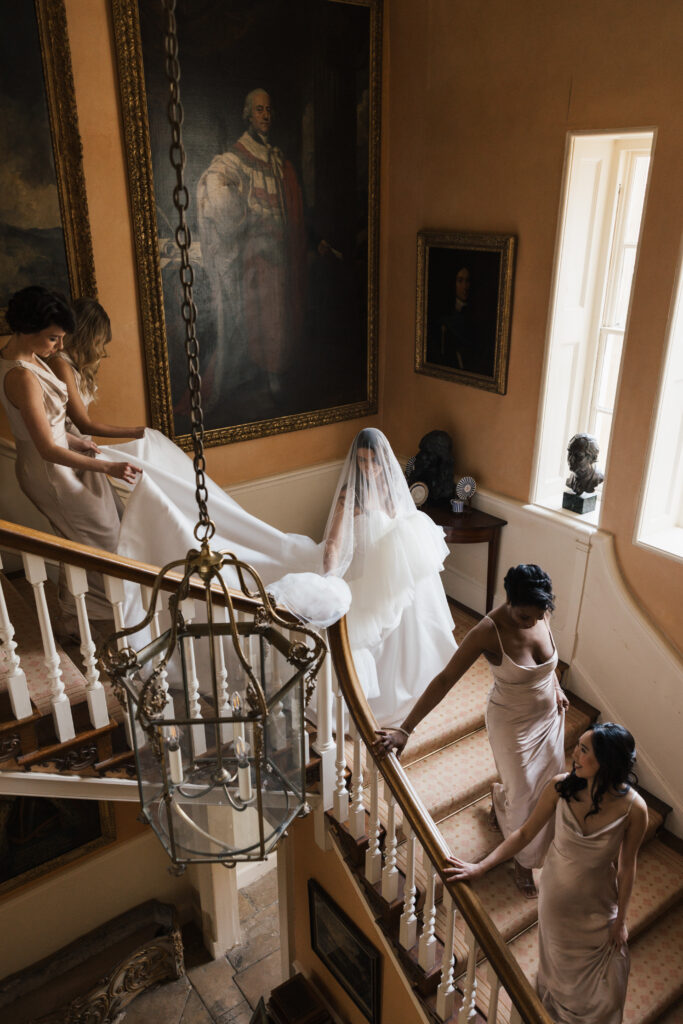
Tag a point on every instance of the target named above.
point(373, 854)
point(407, 935)
point(426, 956)
point(34, 568)
point(197, 732)
point(114, 588)
point(155, 633)
point(390, 875)
point(357, 813)
point(341, 793)
point(17, 686)
point(278, 719)
point(494, 991)
point(324, 741)
point(224, 707)
point(445, 994)
point(77, 582)
point(468, 1010)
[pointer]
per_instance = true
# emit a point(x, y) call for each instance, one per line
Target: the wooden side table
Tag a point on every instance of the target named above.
point(471, 527)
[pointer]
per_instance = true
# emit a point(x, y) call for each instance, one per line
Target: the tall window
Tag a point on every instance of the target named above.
point(661, 513)
point(605, 185)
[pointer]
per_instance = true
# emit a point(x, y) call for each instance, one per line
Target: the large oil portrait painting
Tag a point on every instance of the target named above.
point(281, 131)
point(464, 303)
point(44, 230)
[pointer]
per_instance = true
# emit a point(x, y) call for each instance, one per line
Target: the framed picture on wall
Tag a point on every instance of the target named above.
point(351, 959)
point(44, 226)
point(40, 834)
point(464, 303)
point(281, 131)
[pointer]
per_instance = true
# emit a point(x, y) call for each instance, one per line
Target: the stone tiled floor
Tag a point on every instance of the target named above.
point(222, 991)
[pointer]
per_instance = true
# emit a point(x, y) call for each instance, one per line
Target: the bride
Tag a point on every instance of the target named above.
point(400, 626)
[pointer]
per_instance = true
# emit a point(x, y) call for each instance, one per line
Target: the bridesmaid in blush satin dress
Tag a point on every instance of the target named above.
point(600, 822)
point(525, 708)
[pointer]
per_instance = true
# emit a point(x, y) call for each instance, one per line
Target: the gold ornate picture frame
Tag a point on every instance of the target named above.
point(44, 222)
point(464, 307)
point(284, 220)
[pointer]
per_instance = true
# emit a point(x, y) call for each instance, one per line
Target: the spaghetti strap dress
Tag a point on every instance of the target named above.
point(526, 734)
point(80, 505)
point(582, 976)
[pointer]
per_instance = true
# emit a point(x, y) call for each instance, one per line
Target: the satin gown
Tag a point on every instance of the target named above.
point(80, 505)
point(526, 734)
point(582, 978)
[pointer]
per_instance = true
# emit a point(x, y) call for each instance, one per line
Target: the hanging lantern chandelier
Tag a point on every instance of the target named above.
point(215, 700)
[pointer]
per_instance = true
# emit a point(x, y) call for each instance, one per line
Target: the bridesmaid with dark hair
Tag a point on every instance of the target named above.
point(600, 822)
point(524, 710)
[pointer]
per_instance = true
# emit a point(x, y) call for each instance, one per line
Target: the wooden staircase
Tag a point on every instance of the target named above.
point(448, 760)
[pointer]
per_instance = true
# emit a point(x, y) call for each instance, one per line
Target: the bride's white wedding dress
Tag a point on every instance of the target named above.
point(391, 555)
point(159, 519)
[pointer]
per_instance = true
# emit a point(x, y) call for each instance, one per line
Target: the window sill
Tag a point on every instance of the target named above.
point(553, 507)
point(667, 542)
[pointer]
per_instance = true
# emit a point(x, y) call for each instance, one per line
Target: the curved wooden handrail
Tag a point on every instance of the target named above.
point(430, 838)
point(58, 549)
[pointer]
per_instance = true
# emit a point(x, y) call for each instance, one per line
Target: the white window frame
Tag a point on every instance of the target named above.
point(591, 223)
point(659, 524)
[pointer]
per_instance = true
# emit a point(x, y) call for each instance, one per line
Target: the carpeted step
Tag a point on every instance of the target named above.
point(656, 902)
point(674, 1015)
point(656, 979)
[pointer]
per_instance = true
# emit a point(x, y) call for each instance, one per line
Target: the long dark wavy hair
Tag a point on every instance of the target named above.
point(615, 752)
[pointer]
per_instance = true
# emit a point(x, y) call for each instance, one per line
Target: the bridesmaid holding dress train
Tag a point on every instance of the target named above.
point(587, 877)
point(56, 469)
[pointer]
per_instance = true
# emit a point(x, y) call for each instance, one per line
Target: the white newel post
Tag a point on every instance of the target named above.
point(390, 875)
point(17, 687)
point(426, 955)
point(468, 1010)
point(77, 582)
point(445, 994)
point(155, 633)
point(407, 935)
point(34, 569)
point(198, 733)
point(373, 854)
point(324, 743)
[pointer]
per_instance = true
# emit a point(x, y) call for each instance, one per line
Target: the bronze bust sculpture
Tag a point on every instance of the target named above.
point(582, 453)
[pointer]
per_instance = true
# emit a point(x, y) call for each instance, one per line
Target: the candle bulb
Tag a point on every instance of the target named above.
point(243, 771)
point(175, 757)
point(237, 727)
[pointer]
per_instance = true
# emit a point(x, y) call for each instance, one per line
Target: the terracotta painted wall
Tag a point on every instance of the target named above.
point(481, 96)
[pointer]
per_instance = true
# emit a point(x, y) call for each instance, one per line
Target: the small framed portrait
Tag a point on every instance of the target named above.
point(464, 303)
point(351, 959)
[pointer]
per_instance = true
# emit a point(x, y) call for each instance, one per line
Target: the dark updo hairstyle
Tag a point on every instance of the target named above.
point(529, 585)
point(615, 751)
point(34, 308)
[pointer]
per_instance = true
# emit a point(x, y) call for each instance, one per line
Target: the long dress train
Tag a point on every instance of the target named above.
point(80, 505)
point(526, 734)
point(161, 513)
point(582, 977)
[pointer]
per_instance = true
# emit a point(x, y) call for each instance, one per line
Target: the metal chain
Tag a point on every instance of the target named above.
point(204, 529)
